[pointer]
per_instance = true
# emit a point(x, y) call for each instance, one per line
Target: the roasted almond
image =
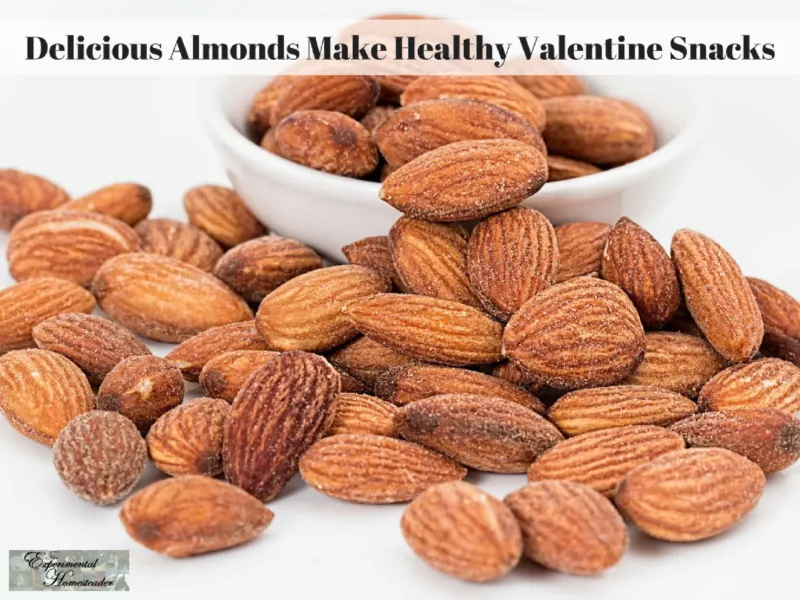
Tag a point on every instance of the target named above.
point(583, 332)
point(764, 383)
point(352, 95)
point(367, 360)
point(374, 469)
point(221, 213)
point(580, 248)
point(376, 116)
point(70, 245)
point(373, 253)
point(269, 143)
point(24, 193)
point(224, 375)
point(165, 299)
point(180, 241)
point(361, 413)
point(717, 296)
point(128, 202)
point(690, 495)
point(551, 86)
point(561, 168)
point(781, 315)
point(518, 375)
point(260, 116)
point(350, 384)
point(393, 86)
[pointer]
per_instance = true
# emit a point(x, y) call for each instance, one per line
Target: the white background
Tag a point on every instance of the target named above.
point(85, 133)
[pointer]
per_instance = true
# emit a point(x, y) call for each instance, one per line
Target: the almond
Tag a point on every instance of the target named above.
point(463, 532)
point(551, 86)
point(583, 332)
point(580, 248)
point(187, 440)
point(280, 412)
point(180, 241)
point(192, 515)
point(568, 527)
point(256, 268)
point(260, 116)
point(429, 329)
point(367, 360)
point(605, 408)
point(95, 344)
point(690, 495)
point(350, 384)
point(352, 95)
point(24, 193)
point(718, 296)
point(376, 116)
point(637, 263)
point(393, 86)
point(40, 392)
point(781, 315)
point(361, 413)
point(373, 253)
point(503, 173)
point(269, 143)
point(67, 244)
point(512, 257)
point(305, 313)
point(424, 126)
point(373, 469)
point(600, 459)
point(682, 322)
point(480, 432)
point(765, 383)
point(678, 362)
point(26, 304)
point(601, 131)
point(222, 214)
point(193, 354)
point(157, 297)
point(561, 168)
point(128, 202)
point(518, 375)
point(223, 376)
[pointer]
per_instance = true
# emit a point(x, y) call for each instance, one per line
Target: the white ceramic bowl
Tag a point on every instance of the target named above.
point(328, 212)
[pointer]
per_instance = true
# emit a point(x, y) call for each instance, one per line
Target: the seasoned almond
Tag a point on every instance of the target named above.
point(352, 95)
point(682, 322)
point(373, 253)
point(690, 495)
point(192, 515)
point(583, 332)
point(128, 202)
point(221, 213)
point(600, 459)
point(70, 245)
point(605, 408)
point(165, 299)
point(580, 248)
point(393, 86)
point(367, 360)
point(781, 315)
point(350, 384)
point(361, 413)
point(374, 469)
point(376, 116)
point(180, 241)
point(518, 375)
point(24, 193)
point(561, 168)
point(223, 376)
point(551, 86)
point(260, 116)
point(765, 383)
point(269, 143)
point(463, 532)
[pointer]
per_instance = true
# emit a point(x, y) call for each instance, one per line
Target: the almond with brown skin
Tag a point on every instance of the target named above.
point(393, 86)
point(518, 375)
point(24, 193)
point(600, 459)
point(764, 383)
point(463, 532)
point(187, 440)
point(128, 202)
point(192, 515)
point(26, 304)
point(429, 329)
point(70, 245)
point(361, 413)
point(580, 248)
point(269, 143)
point(561, 168)
point(95, 344)
point(352, 95)
point(374, 469)
point(551, 86)
point(682, 322)
point(480, 432)
point(260, 116)
point(222, 214)
point(373, 253)
point(40, 392)
point(350, 384)
point(718, 296)
point(165, 299)
point(367, 360)
point(376, 116)
point(223, 376)
point(568, 527)
point(503, 173)
point(781, 315)
point(583, 332)
point(283, 408)
point(690, 495)
point(180, 241)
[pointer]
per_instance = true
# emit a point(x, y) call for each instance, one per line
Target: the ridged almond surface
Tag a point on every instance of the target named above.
point(40, 392)
point(193, 354)
point(180, 241)
point(374, 469)
point(165, 299)
point(601, 131)
point(26, 304)
point(431, 260)
point(256, 268)
point(259, 118)
point(580, 248)
point(518, 375)
point(551, 86)
point(636, 262)
point(764, 383)
point(192, 515)
point(373, 253)
point(512, 257)
point(583, 332)
point(222, 214)
point(466, 180)
point(781, 315)
point(600, 459)
point(429, 329)
point(568, 527)
point(283, 408)
point(393, 86)
point(678, 362)
point(463, 532)
point(594, 409)
point(480, 432)
point(187, 440)
point(223, 376)
point(24, 193)
point(95, 344)
point(376, 116)
point(350, 384)
point(128, 202)
point(361, 413)
point(717, 296)
point(367, 360)
point(352, 95)
point(690, 495)
point(305, 313)
point(561, 168)
point(70, 245)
